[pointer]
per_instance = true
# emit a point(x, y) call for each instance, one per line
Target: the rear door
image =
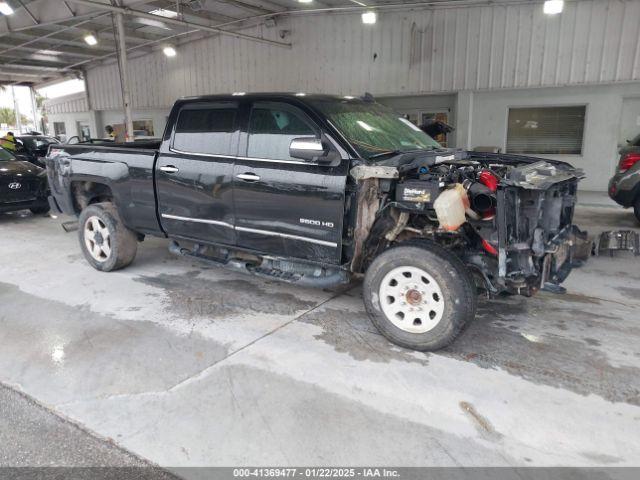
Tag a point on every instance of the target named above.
point(194, 174)
point(285, 206)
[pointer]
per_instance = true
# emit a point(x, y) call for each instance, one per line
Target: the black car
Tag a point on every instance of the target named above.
point(22, 185)
point(624, 186)
point(316, 190)
point(33, 148)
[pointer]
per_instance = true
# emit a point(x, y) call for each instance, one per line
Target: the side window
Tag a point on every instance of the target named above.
point(206, 130)
point(271, 130)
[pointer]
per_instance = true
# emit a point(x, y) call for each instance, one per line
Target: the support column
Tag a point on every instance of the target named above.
point(464, 123)
point(124, 77)
point(16, 110)
point(34, 109)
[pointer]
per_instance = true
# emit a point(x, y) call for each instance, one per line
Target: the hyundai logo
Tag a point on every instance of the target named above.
point(15, 185)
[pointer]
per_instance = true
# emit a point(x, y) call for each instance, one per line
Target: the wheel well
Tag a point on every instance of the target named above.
point(87, 193)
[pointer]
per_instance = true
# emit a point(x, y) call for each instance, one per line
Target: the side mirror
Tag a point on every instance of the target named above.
point(309, 149)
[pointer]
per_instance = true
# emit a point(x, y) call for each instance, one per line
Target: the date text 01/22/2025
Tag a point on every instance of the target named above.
point(315, 473)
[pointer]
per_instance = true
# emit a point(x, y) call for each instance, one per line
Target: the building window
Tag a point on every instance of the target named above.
point(59, 129)
point(143, 128)
point(546, 130)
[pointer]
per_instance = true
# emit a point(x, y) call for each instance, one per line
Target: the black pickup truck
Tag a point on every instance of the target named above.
point(316, 190)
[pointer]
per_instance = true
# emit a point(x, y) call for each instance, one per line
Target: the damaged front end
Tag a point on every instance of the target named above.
point(508, 218)
point(538, 245)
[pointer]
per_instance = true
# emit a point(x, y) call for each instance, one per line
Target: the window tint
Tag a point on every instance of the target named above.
point(271, 131)
point(206, 130)
point(546, 130)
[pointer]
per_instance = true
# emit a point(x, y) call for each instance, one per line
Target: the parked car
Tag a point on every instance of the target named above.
point(22, 185)
point(33, 147)
point(316, 190)
point(624, 186)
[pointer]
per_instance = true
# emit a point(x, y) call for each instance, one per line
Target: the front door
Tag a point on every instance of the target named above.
point(285, 206)
point(194, 175)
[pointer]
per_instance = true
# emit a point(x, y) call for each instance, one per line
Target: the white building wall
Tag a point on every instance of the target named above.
point(70, 110)
point(603, 124)
point(406, 52)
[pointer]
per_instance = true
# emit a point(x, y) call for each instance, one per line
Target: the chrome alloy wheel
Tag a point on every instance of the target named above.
point(411, 299)
point(97, 239)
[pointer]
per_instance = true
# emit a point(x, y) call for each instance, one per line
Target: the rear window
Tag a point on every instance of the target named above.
point(208, 130)
point(636, 141)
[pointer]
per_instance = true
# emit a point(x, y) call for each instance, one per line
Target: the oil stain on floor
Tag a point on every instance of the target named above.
point(192, 296)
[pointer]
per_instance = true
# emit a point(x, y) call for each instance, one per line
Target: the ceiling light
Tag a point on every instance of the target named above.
point(305, 1)
point(552, 7)
point(369, 17)
point(91, 39)
point(300, 94)
point(5, 8)
point(150, 22)
point(163, 12)
point(238, 94)
point(169, 51)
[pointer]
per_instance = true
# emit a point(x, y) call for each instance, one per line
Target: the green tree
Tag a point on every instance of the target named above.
point(7, 115)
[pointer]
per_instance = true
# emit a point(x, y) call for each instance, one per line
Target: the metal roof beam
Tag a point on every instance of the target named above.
point(59, 52)
point(137, 13)
point(51, 34)
point(29, 13)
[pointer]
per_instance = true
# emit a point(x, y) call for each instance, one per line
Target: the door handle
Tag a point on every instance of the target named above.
point(248, 177)
point(169, 169)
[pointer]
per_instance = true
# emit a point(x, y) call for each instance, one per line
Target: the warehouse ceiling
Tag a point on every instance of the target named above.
point(45, 40)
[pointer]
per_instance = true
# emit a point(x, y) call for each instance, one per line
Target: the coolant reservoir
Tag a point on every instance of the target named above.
point(450, 207)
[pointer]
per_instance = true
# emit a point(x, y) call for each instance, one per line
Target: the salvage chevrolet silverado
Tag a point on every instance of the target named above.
point(317, 189)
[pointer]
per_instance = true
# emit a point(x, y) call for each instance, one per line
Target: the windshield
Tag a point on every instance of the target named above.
point(373, 129)
point(5, 156)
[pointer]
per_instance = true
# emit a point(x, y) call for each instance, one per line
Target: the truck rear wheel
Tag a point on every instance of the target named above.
point(636, 208)
point(419, 296)
point(105, 241)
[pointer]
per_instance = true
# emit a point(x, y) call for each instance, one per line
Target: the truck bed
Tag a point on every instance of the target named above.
point(126, 169)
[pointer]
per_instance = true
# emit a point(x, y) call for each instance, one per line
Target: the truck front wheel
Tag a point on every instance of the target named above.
point(419, 296)
point(106, 242)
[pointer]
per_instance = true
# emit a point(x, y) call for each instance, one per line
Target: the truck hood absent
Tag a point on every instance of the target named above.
point(529, 172)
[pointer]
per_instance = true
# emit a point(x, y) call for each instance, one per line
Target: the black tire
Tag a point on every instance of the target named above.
point(636, 208)
point(40, 210)
point(452, 278)
point(122, 242)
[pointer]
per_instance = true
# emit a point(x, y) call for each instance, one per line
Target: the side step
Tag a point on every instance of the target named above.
point(298, 273)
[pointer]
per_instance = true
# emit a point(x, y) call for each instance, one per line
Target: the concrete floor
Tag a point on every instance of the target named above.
point(187, 365)
point(32, 436)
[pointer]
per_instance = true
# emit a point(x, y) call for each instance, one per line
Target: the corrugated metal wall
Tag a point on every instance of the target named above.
point(69, 104)
point(406, 52)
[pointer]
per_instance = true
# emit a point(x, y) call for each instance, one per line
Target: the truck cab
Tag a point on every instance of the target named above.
point(227, 173)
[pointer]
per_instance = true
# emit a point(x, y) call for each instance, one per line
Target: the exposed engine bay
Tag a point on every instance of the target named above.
point(508, 218)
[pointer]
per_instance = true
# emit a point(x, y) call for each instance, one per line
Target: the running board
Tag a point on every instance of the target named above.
point(283, 270)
